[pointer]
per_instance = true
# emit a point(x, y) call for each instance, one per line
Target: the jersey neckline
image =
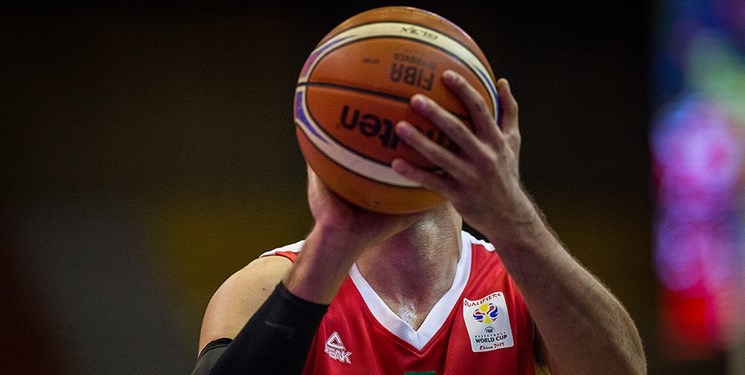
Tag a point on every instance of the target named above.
point(436, 317)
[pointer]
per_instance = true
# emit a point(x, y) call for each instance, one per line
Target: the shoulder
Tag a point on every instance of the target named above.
point(240, 295)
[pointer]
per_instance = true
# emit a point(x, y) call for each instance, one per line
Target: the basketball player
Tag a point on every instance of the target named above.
point(368, 293)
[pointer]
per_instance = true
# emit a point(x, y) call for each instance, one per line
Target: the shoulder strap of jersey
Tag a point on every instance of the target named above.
point(288, 251)
point(291, 255)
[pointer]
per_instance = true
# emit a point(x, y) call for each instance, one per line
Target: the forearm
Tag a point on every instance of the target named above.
point(584, 328)
point(275, 340)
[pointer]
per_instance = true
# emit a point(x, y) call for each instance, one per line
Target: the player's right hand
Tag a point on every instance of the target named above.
point(358, 228)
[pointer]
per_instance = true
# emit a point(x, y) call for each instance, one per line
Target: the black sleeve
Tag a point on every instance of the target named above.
point(209, 356)
point(275, 340)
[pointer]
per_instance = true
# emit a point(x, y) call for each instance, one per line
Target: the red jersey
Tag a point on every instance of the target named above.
point(480, 326)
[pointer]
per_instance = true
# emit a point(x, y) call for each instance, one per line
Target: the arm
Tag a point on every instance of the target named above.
point(583, 327)
point(239, 297)
point(261, 315)
point(280, 329)
point(255, 324)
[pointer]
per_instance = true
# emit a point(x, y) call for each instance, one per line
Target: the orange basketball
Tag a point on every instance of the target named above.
point(356, 85)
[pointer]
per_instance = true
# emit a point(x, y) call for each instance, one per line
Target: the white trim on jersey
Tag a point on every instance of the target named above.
point(487, 245)
point(392, 322)
point(436, 318)
point(293, 247)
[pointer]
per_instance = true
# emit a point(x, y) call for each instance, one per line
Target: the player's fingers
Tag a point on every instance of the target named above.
point(484, 123)
point(508, 120)
point(452, 126)
point(429, 180)
point(436, 154)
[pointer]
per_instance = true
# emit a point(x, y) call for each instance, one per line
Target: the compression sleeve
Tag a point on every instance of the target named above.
point(275, 340)
point(209, 355)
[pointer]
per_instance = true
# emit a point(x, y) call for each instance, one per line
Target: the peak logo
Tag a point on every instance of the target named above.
point(336, 350)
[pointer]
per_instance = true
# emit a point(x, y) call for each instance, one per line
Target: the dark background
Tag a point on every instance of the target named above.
point(148, 152)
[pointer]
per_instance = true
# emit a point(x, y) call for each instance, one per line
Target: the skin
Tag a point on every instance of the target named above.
point(583, 328)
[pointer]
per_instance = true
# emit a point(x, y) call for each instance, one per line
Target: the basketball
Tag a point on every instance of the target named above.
point(356, 85)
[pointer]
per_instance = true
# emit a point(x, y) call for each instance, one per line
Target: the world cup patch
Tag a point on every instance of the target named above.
point(488, 323)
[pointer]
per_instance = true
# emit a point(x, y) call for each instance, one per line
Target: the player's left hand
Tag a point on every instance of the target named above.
point(482, 179)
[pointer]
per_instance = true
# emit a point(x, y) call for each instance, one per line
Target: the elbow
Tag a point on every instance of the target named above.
point(630, 359)
point(638, 364)
point(603, 359)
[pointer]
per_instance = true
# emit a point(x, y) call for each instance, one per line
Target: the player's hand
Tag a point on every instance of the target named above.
point(356, 227)
point(340, 234)
point(482, 179)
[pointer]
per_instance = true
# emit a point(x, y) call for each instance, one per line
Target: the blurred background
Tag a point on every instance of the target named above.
point(148, 152)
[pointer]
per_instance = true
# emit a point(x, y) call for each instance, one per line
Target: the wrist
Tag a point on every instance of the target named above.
point(525, 227)
point(525, 233)
point(336, 240)
point(321, 266)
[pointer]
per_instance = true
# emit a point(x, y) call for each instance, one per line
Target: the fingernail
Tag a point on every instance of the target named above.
point(418, 101)
point(449, 76)
point(402, 127)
